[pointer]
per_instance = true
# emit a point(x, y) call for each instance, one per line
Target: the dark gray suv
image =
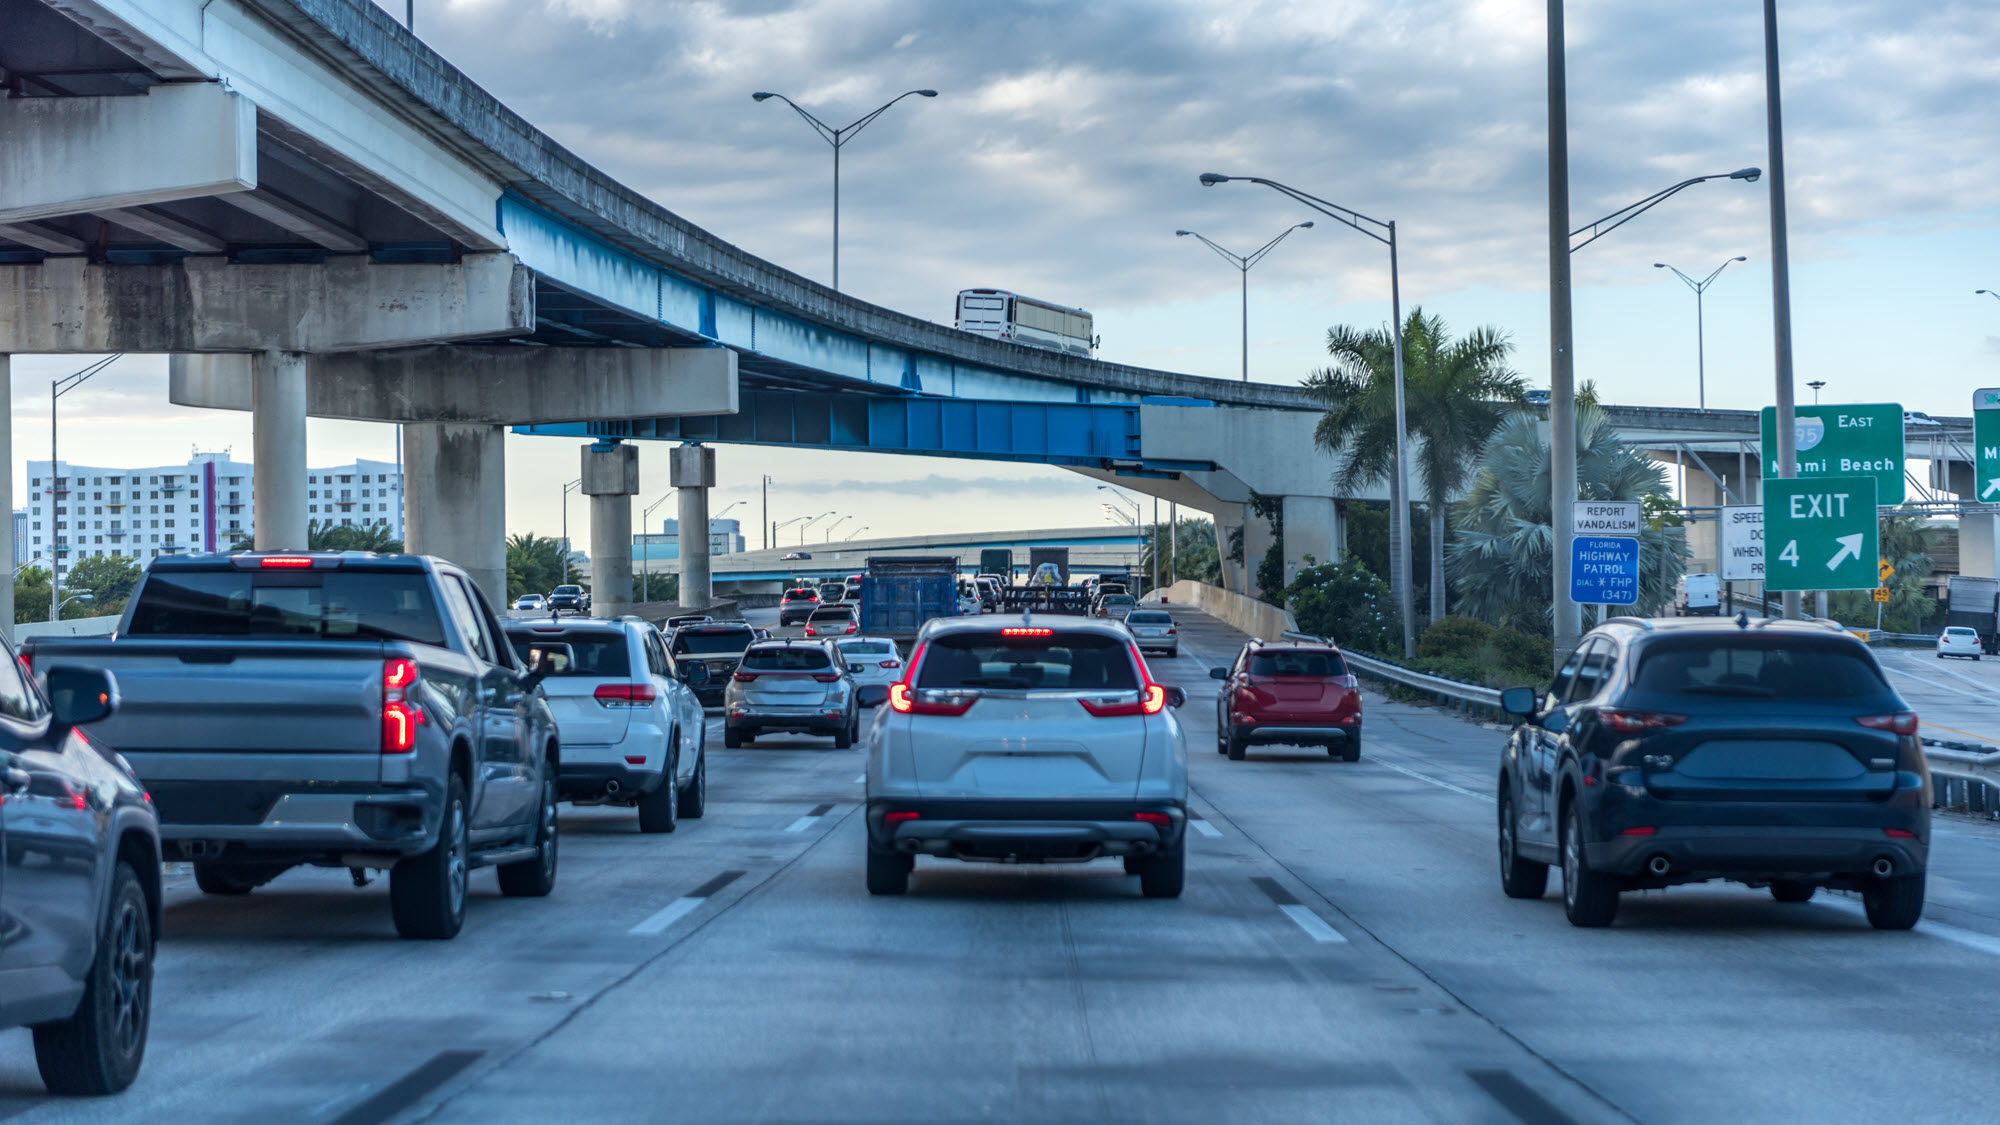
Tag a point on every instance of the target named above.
point(80, 886)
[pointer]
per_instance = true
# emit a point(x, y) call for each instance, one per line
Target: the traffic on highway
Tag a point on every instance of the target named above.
point(207, 810)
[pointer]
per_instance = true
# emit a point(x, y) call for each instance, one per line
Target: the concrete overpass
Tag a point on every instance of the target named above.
point(315, 214)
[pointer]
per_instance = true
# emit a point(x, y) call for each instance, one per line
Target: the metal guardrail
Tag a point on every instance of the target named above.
point(1964, 776)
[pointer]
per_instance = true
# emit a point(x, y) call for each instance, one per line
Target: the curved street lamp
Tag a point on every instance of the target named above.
point(1243, 262)
point(1700, 351)
point(856, 531)
point(837, 138)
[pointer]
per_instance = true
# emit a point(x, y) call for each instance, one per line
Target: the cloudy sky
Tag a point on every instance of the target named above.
point(1063, 151)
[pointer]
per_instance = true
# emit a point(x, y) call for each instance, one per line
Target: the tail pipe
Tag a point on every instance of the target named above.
point(1658, 865)
point(612, 787)
point(1883, 867)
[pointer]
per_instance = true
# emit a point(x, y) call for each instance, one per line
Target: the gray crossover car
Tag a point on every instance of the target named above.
point(1014, 741)
point(798, 687)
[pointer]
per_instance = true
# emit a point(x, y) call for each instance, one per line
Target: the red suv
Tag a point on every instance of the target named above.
point(1298, 693)
point(797, 605)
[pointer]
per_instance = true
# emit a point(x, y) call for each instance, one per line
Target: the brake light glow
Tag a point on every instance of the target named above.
point(903, 699)
point(1633, 722)
point(1899, 834)
point(1902, 722)
point(744, 677)
point(899, 817)
point(400, 715)
point(1646, 831)
point(1152, 699)
point(285, 562)
point(1022, 631)
point(627, 695)
point(892, 664)
point(1159, 818)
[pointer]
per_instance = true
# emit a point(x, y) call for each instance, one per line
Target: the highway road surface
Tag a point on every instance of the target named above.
point(1342, 953)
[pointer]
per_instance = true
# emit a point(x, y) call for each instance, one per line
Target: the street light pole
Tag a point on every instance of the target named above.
point(857, 531)
point(808, 524)
point(57, 389)
point(1399, 477)
point(766, 521)
point(1781, 271)
point(646, 537)
point(837, 138)
point(1700, 347)
point(1243, 262)
point(830, 527)
point(567, 489)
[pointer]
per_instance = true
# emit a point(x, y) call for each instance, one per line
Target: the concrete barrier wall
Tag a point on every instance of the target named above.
point(1247, 615)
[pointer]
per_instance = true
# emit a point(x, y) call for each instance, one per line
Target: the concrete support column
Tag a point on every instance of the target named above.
point(1312, 527)
point(610, 479)
point(278, 444)
point(7, 544)
point(1228, 517)
point(1258, 538)
point(693, 469)
point(455, 499)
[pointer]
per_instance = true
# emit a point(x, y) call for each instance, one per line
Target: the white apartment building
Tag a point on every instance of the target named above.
point(79, 511)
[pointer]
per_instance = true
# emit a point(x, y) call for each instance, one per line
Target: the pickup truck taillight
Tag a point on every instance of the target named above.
point(625, 695)
point(400, 715)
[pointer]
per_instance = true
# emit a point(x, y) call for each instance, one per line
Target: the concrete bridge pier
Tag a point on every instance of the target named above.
point(1313, 526)
point(1258, 539)
point(278, 444)
point(610, 479)
point(693, 473)
point(455, 499)
point(1228, 518)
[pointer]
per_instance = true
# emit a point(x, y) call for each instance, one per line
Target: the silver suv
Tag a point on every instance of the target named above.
point(801, 687)
point(1014, 741)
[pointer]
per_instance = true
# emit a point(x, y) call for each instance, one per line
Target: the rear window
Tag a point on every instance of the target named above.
point(1120, 599)
point(786, 659)
point(1150, 617)
point(1295, 663)
point(595, 652)
point(699, 639)
point(868, 648)
point(1060, 662)
point(1758, 668)
point(1962, 632)
point(832, 613)
point(332, 605)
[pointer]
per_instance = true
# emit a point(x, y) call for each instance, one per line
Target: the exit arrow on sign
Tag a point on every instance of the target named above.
point(1850, 547)
point(1992, 485)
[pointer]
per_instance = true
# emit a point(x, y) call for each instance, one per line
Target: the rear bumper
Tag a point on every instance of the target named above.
point(1001, 831)
point(249, 820)
point(1328, 731)
point(1753, 852)
point(586, 780)
point(780, 722)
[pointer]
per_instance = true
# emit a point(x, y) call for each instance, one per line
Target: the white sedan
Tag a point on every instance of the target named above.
point(531, 601)
point(1958, 641)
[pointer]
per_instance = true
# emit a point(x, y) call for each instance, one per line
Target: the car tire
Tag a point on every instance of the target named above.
point(1519, 878)
point(888, 872)
point(1350, 749)
point(427, 892)
point(660, 810)
point(1173, 654)
point(1164, 873)
point(1236, 747)
point(98, 1049)
point(535, 878)
point(1792, 890)
point(843, 738)
point(1590, 898)
point(231, 879)
point(1134, 864)
point(1894, 903)
point(694, 799)
point(731, 737)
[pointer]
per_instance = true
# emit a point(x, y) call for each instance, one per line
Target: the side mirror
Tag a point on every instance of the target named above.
point(872, 695)
point(1555, 722)
point(1218, 673)
point(1518, 702)
point(1176, 697)
point(695, 675)
point(79, 695)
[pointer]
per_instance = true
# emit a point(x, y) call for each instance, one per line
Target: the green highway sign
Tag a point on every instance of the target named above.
point(1819, 533)
point(1986, 444)
point(1858, 439)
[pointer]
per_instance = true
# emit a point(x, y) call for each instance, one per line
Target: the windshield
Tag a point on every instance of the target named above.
point(832, 613)
point(1782, 669)
point(594, 652)
point(698, 640)
point(1295, 663)
point(332, 605)
point(567, 590)
point(1058, 662)
point(786, 658)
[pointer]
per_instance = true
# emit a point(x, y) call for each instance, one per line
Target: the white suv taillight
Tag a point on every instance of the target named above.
point(625, 695)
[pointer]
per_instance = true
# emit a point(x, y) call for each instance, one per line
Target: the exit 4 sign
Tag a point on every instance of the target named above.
point(1819, 533)
point(1857, 439)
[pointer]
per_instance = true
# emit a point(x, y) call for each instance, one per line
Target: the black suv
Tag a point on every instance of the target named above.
point(80, 891)
point(1769, 753)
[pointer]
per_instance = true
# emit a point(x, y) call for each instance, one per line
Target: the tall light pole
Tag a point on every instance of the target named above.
point(1816, 384)
point(1138, 536)
point(856, 531)
point(1781, 272)
point(808, 524)
point(1243, 262)
point(567, 489)
point(1989, 293)
point(57, 389)
point(1700, 348)
point(765, 522)
point(646, 538)
point(830, 527)
point(837, 138)
point(1399, 477)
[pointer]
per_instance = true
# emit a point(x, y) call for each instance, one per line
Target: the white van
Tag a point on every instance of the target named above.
point(1698, 595)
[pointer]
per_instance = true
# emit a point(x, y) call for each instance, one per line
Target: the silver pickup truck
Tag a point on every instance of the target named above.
point(336, 709)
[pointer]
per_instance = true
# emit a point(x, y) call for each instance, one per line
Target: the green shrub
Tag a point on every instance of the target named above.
point(1466, 648)
point(1347, 603)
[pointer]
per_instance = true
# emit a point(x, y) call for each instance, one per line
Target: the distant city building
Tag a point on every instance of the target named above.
point(21, 536)
point(725, 537)
point(80, 511)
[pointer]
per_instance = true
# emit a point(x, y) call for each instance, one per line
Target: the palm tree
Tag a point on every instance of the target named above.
point(1500, 559)
point(1455, 393)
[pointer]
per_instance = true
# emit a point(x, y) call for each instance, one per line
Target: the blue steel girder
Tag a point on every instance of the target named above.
point(1096, 435)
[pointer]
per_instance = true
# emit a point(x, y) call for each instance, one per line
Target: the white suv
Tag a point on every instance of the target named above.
point(631, 732)
point(1013, 740)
